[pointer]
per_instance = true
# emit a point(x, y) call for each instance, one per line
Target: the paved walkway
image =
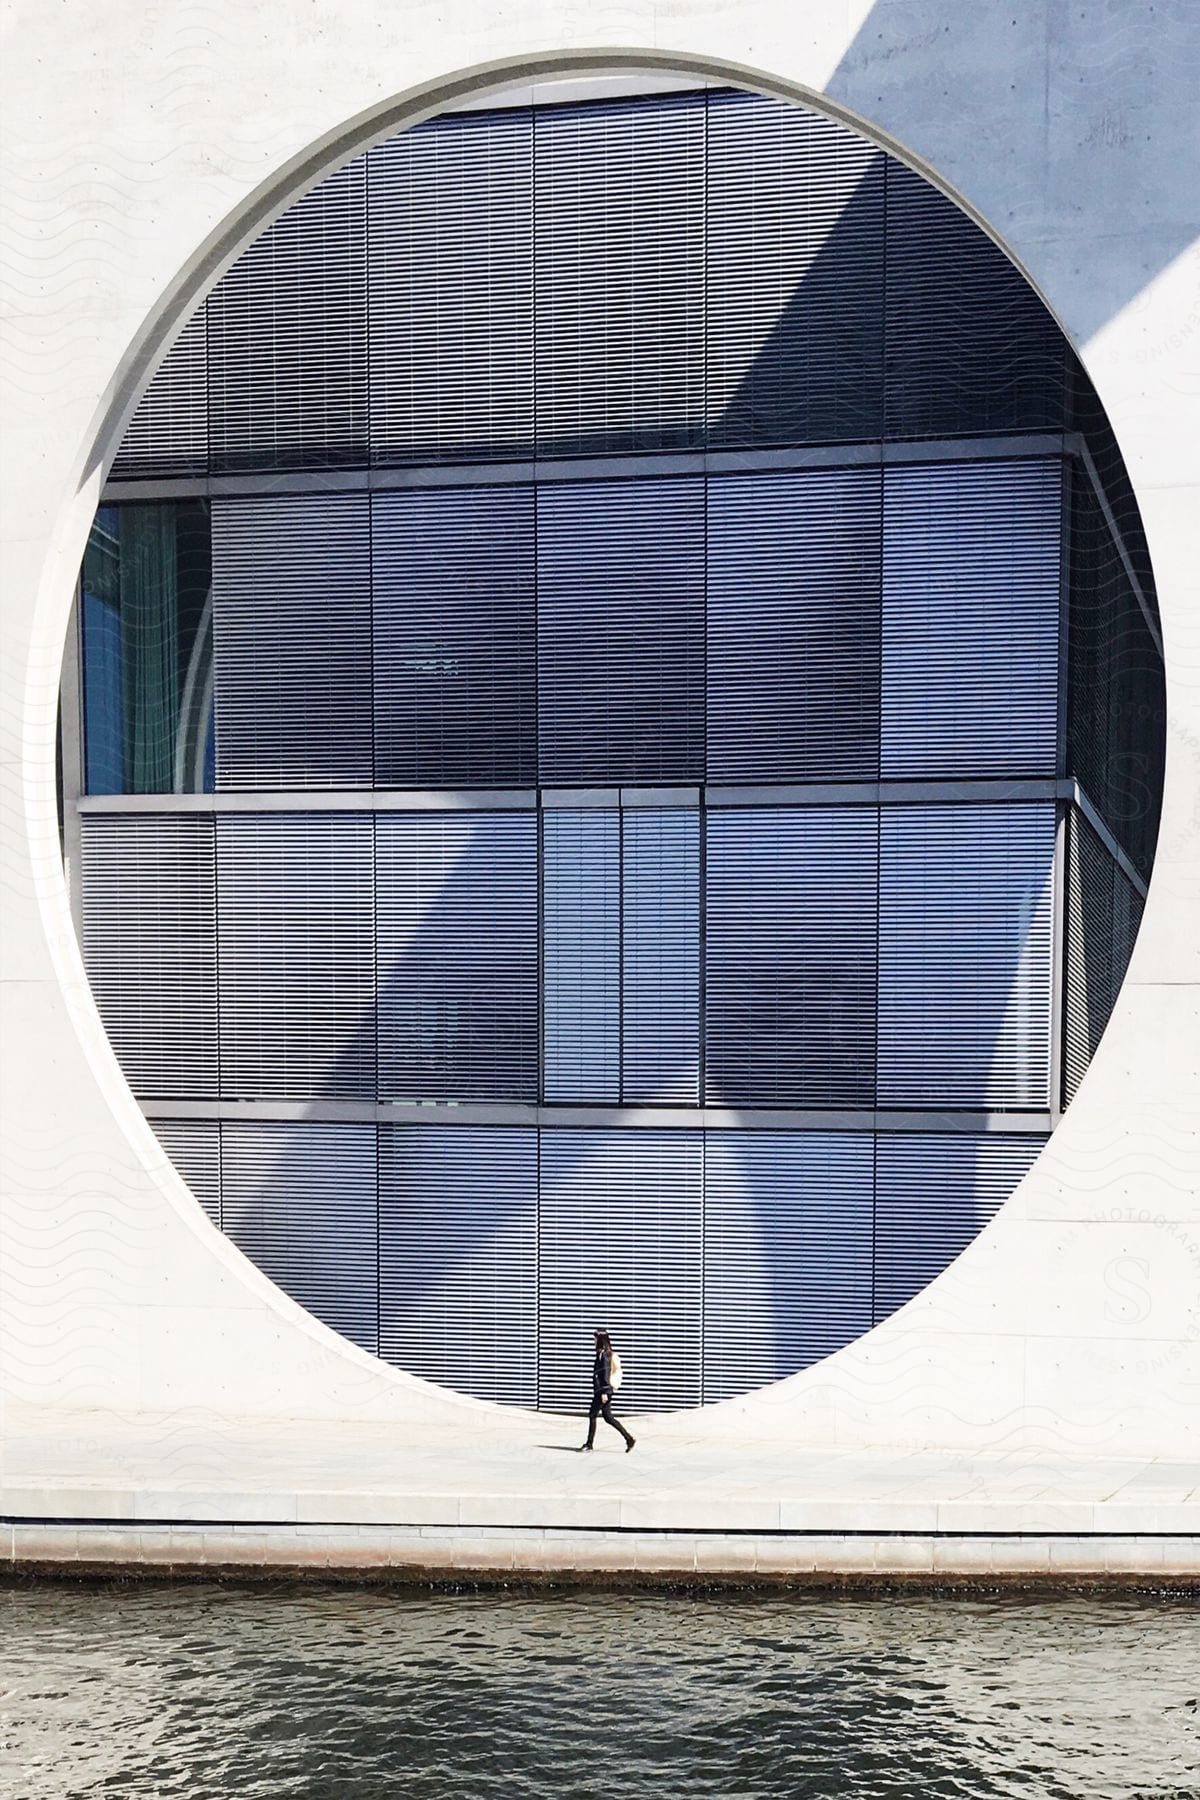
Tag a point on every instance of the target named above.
point(495, 1470)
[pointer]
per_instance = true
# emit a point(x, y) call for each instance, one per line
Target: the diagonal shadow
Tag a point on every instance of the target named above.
point(999, 363)
point(1081, 98)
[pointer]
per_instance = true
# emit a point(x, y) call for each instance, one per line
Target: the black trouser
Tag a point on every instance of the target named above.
point(601, 1407)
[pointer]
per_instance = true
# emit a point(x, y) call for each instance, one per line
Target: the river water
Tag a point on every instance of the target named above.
point(345, 1694)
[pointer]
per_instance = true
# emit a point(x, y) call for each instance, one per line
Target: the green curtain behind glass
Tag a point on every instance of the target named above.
point(150, 644)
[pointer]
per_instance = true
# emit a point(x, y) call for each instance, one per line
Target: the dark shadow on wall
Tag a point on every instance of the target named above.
point(446, 1026)
point(1095, 98)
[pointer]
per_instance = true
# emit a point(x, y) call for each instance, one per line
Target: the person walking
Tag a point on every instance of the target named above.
point(602, 1393)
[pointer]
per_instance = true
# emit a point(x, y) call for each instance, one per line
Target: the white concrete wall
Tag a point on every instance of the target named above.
point(145, 145)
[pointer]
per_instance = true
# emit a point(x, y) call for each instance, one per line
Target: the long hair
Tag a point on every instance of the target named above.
point(604, 1341)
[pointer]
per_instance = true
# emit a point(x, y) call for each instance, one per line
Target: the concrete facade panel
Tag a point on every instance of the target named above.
point(143, 153)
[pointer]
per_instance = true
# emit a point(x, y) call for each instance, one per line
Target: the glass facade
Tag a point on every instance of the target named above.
point(668, 691)
point(146, 614)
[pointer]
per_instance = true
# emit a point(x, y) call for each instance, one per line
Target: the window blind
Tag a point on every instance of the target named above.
point(620, 631)
point(193, 1146)
point(933, 1194)
point(287, 336)
point(149, 936)
point(300, 1200)
point(795, 275)
point(168, 433)
point(453, 609)
point(788, 1224)
point(458, 955)
point(458, 1257)
point(292, 642)
point(793, 626)
point(1103, 910)
point(297, 955)
point(620, 1246)
point(971, 608)
point(966, 909)
point(970, 348)
point(619, 274)
point(790, 956)
point(581, 954)
point(660, 939)
point(451, 289)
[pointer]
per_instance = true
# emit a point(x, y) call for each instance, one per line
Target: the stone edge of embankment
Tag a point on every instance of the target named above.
point(508, 1557)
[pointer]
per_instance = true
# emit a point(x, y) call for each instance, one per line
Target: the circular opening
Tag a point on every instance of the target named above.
point(623, 723)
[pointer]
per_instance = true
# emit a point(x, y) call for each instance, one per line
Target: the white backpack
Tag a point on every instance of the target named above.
point(616, 1373)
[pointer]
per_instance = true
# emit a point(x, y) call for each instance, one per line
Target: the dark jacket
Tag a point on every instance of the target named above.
point(602, 1374)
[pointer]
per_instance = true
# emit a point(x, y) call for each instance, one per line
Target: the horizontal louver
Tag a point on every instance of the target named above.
point(933, 1194)
point(969, 346)
point(455, 649)
point(793, 626)
point(292, 642)
point(1128, 905)
point(194, 1149)
point(619, 272)
point(149, 935)
point(288, 337)
point(660, 934)
point(787, 1252)
point(451, 280)
point(458, 1257)
point(1091, 978)
point(785, 1245)
point(620, 1247)
point(621, 631)
point(971, 559)
point(795, 275)
point(581, 954)
point(168, 433)
point(297, 955)
point(1116, 698)
point(300, 1201)
point(790, 957)
point(458, 956)
point(965, 945)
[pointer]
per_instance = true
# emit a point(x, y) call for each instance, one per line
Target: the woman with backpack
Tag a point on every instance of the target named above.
point(606, 1379)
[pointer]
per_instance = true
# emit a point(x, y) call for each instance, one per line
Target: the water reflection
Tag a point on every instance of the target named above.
point(336, 1695)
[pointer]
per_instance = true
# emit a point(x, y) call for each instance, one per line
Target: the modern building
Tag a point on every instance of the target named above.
point(613, 743)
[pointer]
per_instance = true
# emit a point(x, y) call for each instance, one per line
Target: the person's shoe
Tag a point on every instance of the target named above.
point(629, 1445)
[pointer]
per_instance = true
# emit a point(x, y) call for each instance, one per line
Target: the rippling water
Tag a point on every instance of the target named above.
point(335, 1694)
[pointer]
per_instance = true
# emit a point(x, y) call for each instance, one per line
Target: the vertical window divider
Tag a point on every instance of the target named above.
point(215, 825)
point(378, 1126)
point(702, 948)
point(883, 424)
point(702, 1134)
point(374, 771)
point(370, 462)
point(1064, 615)
point(378, 1248)
point(537, 1263)
point(875, 1033)
point(537, 690)
point(208, 398)
point(620, 948)
point(874, 1315)
point(1058, 1010)
point(884, 412)
point(539, 901)
point(1058, 1003)
point(701, 810)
